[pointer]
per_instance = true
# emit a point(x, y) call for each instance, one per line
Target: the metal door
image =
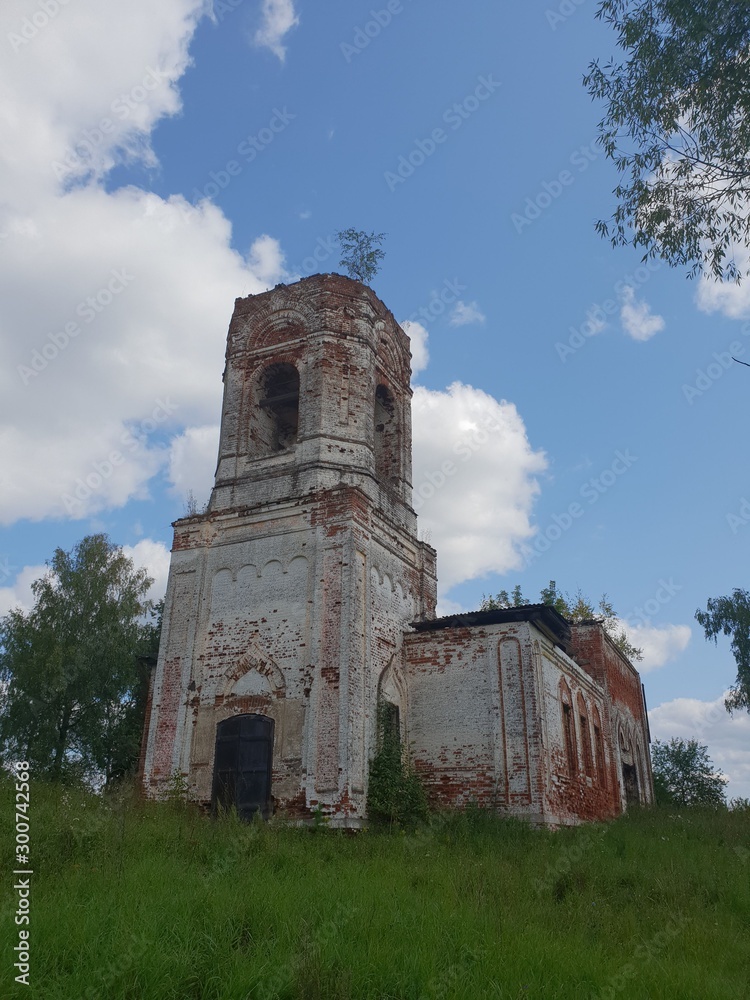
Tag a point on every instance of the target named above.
point(242, 765)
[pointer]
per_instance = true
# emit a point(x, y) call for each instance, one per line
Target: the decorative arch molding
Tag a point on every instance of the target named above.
point(624, 744)
point(584, 725)
point(257, 660)
point(254, 571)
point(564, 691)
point(382, 578)
point(568, 727)
point(274, 327)
point(392, 684)
point(600, 757)
point(394, 361)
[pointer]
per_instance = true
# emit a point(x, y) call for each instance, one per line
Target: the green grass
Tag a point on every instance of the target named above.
point(145, 902)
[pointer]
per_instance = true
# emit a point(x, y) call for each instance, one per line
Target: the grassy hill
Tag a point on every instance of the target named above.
point(135, 901)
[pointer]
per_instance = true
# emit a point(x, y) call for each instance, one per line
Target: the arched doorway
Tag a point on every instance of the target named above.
point(242, 765)
point(629, 772)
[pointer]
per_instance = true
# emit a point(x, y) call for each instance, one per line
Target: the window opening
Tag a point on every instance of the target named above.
point(570, 740)
point(279, 391)
point(386, 436)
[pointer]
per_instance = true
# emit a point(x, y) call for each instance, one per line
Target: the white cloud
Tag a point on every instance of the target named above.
point(464, 313)
point(82, 426)
point(19, 594)
point(265, 260)
point(727, 297)
point(447, 607)
point(595, 321)
point(192, 461)
point(279, 17)
point(113, 306)
point(636, 316)
point(659, 644)
point(102, 100)
point(154, 558)
point(418, 336)
point(151, 555)
point(727, 737)
point(474, 480)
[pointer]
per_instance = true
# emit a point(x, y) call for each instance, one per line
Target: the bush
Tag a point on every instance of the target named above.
point(395, 794)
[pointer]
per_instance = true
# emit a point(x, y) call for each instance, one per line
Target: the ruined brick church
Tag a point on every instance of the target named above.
point(302, 599)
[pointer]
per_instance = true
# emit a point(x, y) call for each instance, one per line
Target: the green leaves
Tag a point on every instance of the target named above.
point(72, 668)
point(731, 616)
point(395, 794)
point(684, 774)
point(677, 127)
point(361, 253)
point(576, 609)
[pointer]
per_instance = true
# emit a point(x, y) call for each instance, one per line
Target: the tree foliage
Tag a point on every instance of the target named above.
point(684, 774)
point(395, 794)
point(576, 609)
point(74, 670)
point(677, 127)
point(361, 253)
point(731, 616)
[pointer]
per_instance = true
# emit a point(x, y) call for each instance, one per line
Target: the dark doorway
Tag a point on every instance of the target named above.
point(242, 765)
point(391, 722)
point(630, 780)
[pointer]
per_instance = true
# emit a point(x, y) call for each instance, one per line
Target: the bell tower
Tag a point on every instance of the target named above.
point(287, 600)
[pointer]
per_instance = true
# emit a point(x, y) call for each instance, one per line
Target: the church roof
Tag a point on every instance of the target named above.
point(544, 617)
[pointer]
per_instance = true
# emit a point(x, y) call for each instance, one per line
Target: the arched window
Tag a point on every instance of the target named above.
point(277, 419)
point(600, 768)
point(583, 720)
point(569, 730)
point(386, 436)
point(629, 772)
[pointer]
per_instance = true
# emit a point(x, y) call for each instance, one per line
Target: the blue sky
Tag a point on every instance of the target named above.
point(160, 160)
